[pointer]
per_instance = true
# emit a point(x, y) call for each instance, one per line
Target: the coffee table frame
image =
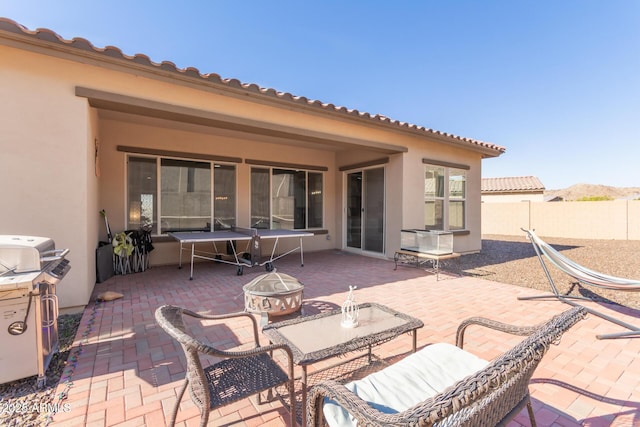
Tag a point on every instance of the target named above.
point(375, 335)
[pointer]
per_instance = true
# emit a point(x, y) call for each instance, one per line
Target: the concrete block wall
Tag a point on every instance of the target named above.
point(617, 220)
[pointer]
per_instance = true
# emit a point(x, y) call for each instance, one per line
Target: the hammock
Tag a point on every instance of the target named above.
point(582, 274)
point(585, 276)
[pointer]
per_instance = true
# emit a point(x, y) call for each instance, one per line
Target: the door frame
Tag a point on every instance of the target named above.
point(345, 183)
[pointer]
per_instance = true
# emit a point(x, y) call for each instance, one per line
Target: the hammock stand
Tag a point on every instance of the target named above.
point(585, 276)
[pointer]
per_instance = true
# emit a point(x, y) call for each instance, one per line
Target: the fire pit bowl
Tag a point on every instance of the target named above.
point(273, 294)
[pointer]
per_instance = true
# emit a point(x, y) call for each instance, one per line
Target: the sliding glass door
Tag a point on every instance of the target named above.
point(365, 210)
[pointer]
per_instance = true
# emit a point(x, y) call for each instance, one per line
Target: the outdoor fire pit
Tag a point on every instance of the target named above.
point(273, 294)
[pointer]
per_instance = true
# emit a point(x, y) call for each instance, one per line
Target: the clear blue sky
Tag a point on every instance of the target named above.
point(557, 82)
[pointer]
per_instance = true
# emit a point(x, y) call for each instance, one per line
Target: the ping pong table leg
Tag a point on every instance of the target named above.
point(268, 265)
point(193, 252)
point(273, 251)
point(239, 266)
point(301, 254)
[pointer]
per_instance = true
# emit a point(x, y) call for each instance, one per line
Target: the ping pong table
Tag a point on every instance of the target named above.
point(276, 235)
point(250, 235)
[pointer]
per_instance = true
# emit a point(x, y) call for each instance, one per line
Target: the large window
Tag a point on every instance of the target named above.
point(286, 199)
point(192, 198)
point(457, 198)
point(444, 198)
point(142, 193)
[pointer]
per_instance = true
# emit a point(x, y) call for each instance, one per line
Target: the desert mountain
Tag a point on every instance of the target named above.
point(579, 191)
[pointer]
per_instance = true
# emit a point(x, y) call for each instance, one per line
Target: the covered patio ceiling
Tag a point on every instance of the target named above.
point(139, 110)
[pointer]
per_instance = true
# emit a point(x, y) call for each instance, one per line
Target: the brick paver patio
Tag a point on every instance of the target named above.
point(125, 371)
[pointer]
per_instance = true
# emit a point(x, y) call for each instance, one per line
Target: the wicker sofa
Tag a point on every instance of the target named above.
point(443, 384)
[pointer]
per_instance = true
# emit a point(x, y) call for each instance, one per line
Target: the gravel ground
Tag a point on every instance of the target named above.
point(506, 259)
point(512, 260)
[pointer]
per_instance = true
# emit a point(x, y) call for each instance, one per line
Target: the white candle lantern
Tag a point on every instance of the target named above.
point(350, 311)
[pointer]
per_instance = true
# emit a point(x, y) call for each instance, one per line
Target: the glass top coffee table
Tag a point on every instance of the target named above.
point(319, 337)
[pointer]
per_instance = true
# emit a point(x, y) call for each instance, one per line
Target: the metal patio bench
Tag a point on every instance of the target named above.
point(442, 384)
point(238, 375)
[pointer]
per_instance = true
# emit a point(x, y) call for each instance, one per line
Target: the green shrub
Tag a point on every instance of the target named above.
point(594, 199)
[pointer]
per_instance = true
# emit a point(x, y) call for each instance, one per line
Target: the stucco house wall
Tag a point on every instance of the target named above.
point(412, 185)
point(76, 111)
point(47, 174)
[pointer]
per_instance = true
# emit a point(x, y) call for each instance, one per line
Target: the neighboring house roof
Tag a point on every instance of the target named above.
point(82, 46)
point(517, 184)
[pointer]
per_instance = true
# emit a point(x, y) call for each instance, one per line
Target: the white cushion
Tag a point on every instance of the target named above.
point(410, 381)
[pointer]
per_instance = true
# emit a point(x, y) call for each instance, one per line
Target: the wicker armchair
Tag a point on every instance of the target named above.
point(238, 375)
point(489, 397)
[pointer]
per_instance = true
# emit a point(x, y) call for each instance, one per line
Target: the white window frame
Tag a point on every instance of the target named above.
point(446, 197)
point(270, 197)
point(158, 159)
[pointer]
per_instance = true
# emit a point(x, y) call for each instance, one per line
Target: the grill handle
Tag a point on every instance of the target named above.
point(52, 309)
point(54, 255)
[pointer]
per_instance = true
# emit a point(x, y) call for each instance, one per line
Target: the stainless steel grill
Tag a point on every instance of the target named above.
point(30, 269)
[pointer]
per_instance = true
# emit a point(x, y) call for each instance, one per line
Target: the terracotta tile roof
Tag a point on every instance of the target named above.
point(46, 35)
point(516, 184)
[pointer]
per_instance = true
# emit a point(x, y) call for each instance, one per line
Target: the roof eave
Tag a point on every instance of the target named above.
point(48, 42)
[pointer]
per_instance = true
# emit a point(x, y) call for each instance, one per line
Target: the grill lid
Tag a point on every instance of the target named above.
point(23, 254)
